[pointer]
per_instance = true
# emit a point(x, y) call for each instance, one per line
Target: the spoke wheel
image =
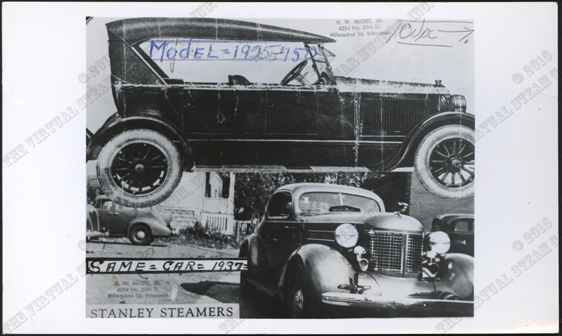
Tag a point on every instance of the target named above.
point(452, 163)
point(139, 168)
point(445, 161)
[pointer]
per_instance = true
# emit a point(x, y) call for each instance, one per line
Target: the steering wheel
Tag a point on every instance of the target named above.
point(294, 73)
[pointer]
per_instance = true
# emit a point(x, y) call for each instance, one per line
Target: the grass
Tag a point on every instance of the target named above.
point(198, 236)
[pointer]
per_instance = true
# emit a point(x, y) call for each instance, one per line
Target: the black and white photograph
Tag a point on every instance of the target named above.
point(238, 139)
point(268, 168)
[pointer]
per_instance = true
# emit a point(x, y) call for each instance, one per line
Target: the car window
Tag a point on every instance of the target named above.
point(280, 205)
point(107, 205)
point(462, 226)
point(321, 202)
point(209, 61)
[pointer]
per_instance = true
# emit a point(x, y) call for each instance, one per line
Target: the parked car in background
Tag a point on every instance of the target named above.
point(141, 226)
point(93, 227)
point(323, 247)
point(459, 228)
point(169, 121)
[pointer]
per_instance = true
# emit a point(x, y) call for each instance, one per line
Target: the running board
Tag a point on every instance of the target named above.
point(267, 289)
point(279, 169)
point(403, 170)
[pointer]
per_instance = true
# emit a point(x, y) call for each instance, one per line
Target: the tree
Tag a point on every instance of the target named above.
point(93, 189)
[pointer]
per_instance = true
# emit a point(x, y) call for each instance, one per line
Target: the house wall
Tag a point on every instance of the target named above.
point(188, 203)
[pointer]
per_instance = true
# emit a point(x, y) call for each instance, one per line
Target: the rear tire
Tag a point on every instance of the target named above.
point(139, 168)
point(140, 235)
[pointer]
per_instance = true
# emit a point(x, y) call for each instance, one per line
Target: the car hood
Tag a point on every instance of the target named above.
point(381, 86)
point(377, 221)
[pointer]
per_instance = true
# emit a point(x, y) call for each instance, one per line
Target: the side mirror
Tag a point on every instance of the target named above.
point(403, 206)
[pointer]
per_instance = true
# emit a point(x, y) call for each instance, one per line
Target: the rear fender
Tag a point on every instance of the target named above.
point(116, 125)
point(323, 268)
point(157, 228)
point(257, 257)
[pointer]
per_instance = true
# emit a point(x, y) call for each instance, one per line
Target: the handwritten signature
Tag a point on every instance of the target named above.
point(417, 34)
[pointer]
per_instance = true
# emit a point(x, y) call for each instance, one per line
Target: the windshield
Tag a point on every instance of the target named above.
point(324, 202)
point(213, 61)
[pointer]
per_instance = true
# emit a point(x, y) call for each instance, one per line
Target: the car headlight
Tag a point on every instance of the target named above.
point(439, 242)
point(458, 103)
point(346, 235)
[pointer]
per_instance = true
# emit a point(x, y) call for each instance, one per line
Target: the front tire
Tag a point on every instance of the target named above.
point(140, 235)
point(445, 162)
point(296, 300)
point(139, 168)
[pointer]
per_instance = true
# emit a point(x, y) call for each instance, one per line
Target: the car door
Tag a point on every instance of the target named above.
point(225, 123)
point(115, 217)
point(462, 236)
point(280, 233)
point(291, 125)
point(109, 217)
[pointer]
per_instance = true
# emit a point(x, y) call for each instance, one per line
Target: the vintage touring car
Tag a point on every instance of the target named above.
point(170, 120)
point(328, 249)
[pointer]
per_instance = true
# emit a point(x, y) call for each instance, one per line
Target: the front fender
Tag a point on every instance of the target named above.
point(323, 269)
point(92, 219)
point(405, 156)
point(456, 272)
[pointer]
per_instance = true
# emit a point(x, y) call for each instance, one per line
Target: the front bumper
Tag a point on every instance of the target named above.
point(399, 306)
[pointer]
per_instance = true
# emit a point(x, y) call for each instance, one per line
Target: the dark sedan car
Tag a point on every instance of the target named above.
point(327, 249)
point(140, 226)
point(460, 228)
point(170, 120)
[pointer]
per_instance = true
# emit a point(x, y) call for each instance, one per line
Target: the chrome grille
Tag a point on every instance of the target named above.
point(386, 250)
point(414, 249)
point(393, 251)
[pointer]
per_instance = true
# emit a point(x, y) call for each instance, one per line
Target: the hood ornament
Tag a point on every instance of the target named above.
point(403, 207)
